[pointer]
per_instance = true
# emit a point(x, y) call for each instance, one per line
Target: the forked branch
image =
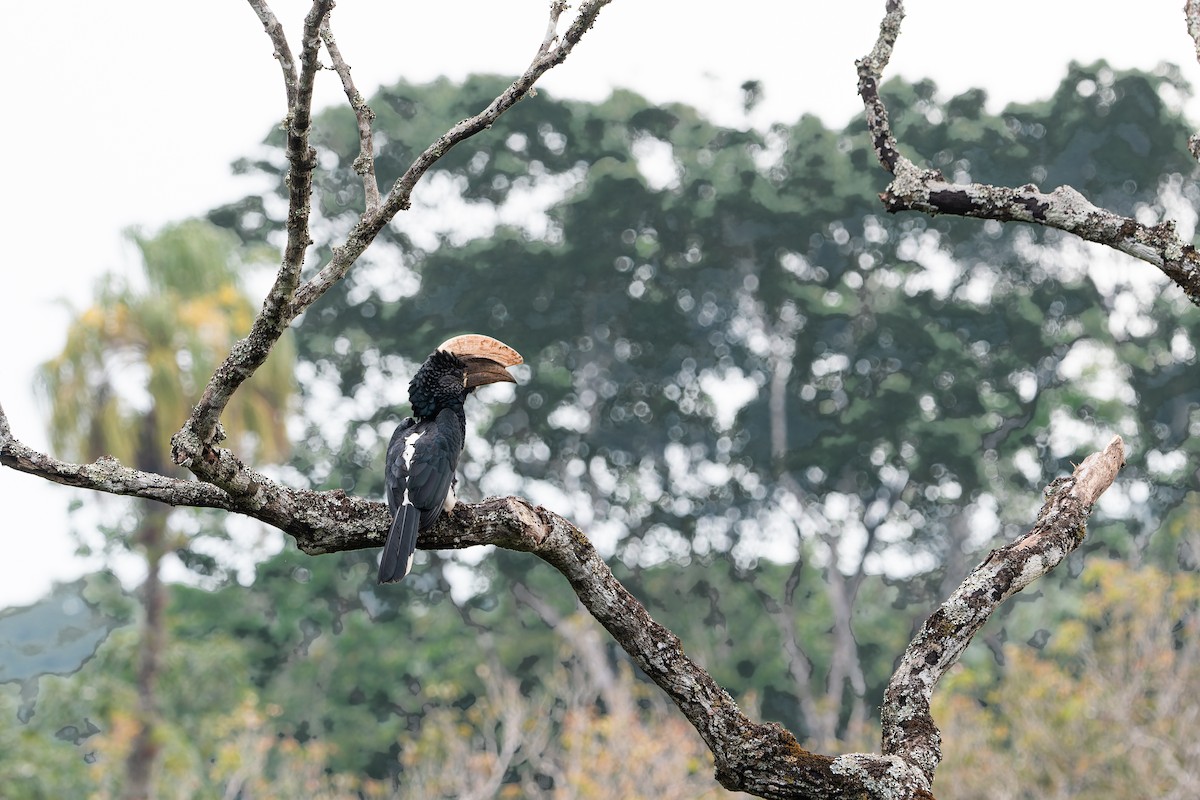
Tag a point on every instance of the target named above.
point(195, 445)
point(551, 52)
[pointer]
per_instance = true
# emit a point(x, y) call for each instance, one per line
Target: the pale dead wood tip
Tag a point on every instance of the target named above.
point(1099, 470)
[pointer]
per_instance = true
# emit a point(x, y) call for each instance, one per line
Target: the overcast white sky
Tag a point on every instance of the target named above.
point(120, 114)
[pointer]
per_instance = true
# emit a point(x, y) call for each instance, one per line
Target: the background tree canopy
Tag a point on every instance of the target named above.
point(789, 420)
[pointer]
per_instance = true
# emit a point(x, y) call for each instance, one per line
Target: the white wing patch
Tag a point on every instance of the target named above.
point(410, 450)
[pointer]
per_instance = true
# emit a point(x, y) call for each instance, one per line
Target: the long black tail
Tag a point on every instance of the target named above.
point(397, 556)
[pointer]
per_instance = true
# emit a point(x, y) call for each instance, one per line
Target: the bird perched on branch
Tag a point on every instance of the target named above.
point(423, 454)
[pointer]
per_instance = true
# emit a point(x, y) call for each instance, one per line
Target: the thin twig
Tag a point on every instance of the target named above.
point(283, 53)
point(557, 7)
point(364, 165)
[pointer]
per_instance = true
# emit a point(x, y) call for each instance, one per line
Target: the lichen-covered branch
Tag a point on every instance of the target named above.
point(908, 727)
point(1064, 208)
point(108, 475)
point(927, 190)
point(766, 760)
point(334, 519)
point(870, 73)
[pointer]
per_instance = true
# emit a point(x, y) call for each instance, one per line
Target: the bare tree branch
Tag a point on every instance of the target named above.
point(364, 165)
point(190, 445)
point(927, 190)
point(766, 760)
point(870, 73)
point(283, 52)
point(109, 475)
point(318, 520)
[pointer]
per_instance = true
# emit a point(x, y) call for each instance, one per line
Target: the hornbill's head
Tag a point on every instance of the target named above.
point(456, 368)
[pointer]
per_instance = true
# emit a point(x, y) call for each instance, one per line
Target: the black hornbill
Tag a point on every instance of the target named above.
point(424, 451)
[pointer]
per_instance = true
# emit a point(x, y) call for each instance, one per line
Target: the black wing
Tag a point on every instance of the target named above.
point(396, 559)
point(421, 460)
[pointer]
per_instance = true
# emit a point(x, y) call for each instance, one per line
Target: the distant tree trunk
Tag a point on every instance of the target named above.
point(151, 538)
point(139, 766)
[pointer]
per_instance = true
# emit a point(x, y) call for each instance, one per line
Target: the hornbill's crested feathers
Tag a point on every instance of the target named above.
point(423, 454)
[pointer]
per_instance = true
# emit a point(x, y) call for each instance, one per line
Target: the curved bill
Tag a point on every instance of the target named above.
point(486, 358)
